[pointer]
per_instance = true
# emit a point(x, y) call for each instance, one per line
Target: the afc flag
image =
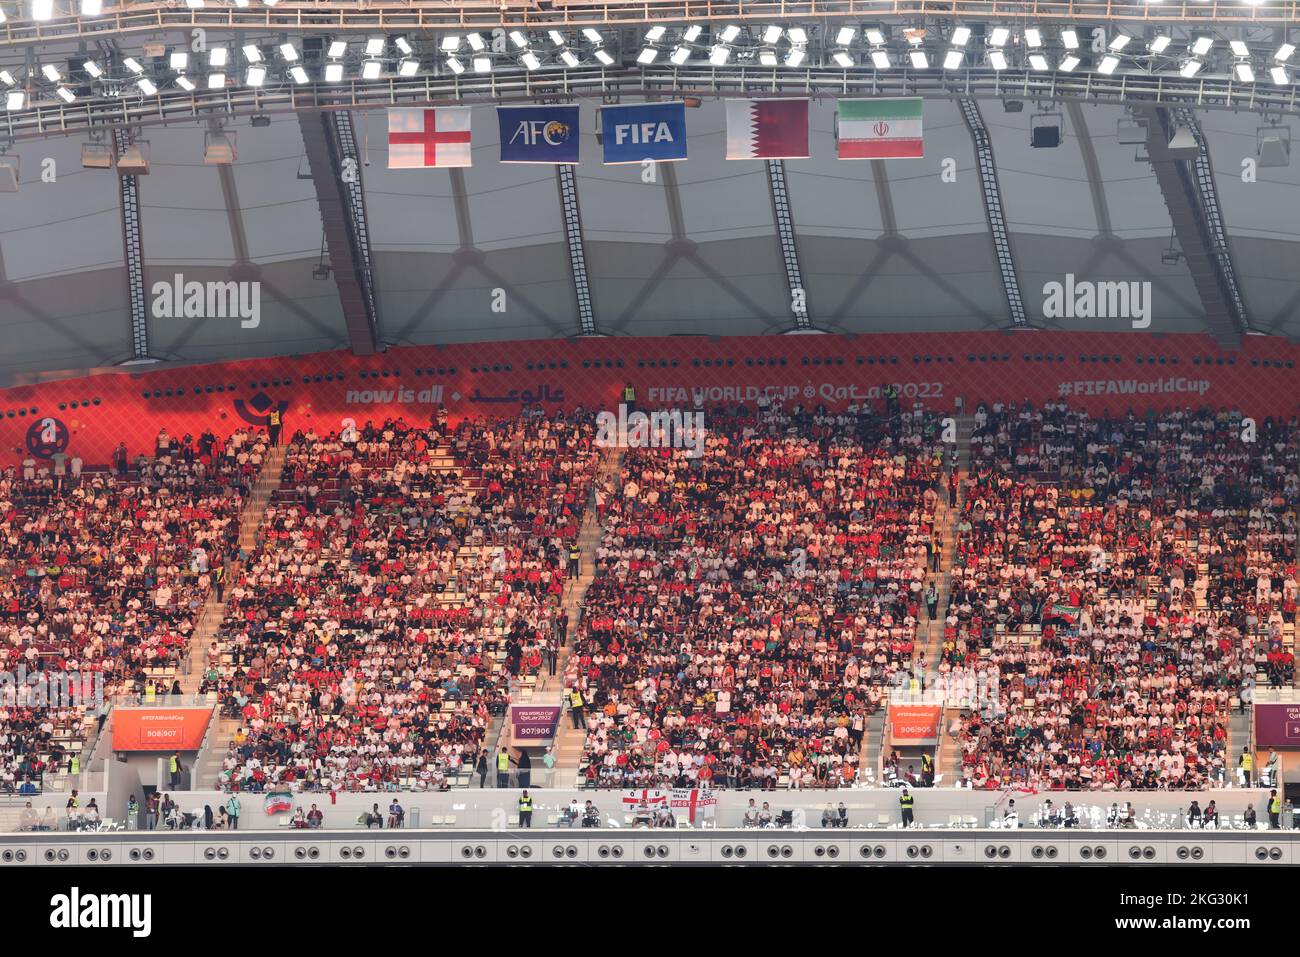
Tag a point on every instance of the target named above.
point(538, 134)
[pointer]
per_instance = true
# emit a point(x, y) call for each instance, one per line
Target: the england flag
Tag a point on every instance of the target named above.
point(437, 136)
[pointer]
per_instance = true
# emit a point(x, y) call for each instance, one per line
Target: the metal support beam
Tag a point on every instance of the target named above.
point(785, 235)
point(1188, 189)
point(336, 172)
point(568, 184)
point(128, 185)
point(988, 174)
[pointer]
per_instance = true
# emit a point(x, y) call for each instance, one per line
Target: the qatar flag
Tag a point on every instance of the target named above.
point(767, 129)
point(437, 136)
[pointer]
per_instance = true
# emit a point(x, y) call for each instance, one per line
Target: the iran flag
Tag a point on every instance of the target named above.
point(880, 129)
point(437, 136)
point(767, 129)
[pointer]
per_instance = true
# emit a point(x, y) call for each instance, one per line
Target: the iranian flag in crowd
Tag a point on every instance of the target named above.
point(278, 801)
point(767, 129)
point(428, 137)
point(880, 129)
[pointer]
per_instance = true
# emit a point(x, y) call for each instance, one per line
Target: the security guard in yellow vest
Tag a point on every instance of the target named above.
point(274, 423)
point(74, 765)
point(575, 707)
point(629, 397)
point(905, 802)
point(525, 810)
point(927, 768)
point(174, 768)
point(1274, 811)
point(575, 560)
point(1247, 766)
point(503, 768)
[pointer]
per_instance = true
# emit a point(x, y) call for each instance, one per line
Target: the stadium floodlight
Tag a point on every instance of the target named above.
point(772, 34)
point(90, 8)
point(241, 3)
point(2, 15)
point(1108, 64)
point(593, 35)
point(7, 78)
point(256, 76)
point(450, 44)
point(132, 64)
point(475, 41)
point(338, 48)
point(1119, 41)
point(1239, 48)
point(1279, 75)
point(185, 83)
point(333, 72)
point(375, 45)
point(194, 4)
point(960, 36)
point(454, 65)
point(645, 56)
point(216, 80)
point(270, 3)
point(482, 64)
point(719, 54)
point(880, 59)
point(1068, 63)
point(404, 45)
point(218, 56)
point(289, 52)
point(999, 36)
point(919, 60)
point(146, 86)
point(767, 57)
point(654, 34)
point(1160, 43)
point(1284, 52)
point(370, 69)
point(43, 10)
point(952, 59)
point(680, 55)
point(997, 59)
point(51, 73)
point(795, 57)
point(518, 39)
point(797, 35)
point(179, 60)
point(1202, 45)
point(845, 36)
point(843, 59)
point(298, 74)
point(605, 59)
point(1245, 72)
point(408, 67)
point(556, 37)
point(570, 58)
point(67, 96)
point(875, 36)
point(252, 53)
point(729, 33)
point(14, 99)
point(1190, 68)
point(694, 30)
point(1070, 39)
point(1037, 61)
point(1033, 37)
point(530, 60)
point(93, 68)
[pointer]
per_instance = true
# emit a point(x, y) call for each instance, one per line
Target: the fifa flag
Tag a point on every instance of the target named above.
point(538, 134)
point(767, 129)
point(880, 129)
point(437, 136)
point(639, 132)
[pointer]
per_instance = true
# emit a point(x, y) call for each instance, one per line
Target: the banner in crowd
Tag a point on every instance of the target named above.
point(914, 723)
point(539, 134)
point(533, 724)
point(159, 729)
point(650, 797)
point(437, 136)
point(1277, 725)
point(277, 802)
point(880, 129)
point(767, 129)
point(637, 132)
point(693, 804)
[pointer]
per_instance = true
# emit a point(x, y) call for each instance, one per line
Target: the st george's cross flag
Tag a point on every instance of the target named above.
point(436, 136)
point(767, 129)
point(880, 129)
